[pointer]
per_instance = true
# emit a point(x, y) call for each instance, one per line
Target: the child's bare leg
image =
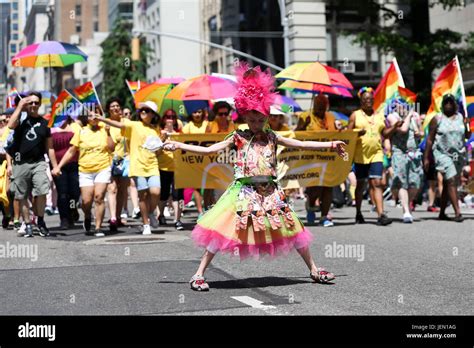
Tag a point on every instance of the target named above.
point(308, 259)
point(205, 261)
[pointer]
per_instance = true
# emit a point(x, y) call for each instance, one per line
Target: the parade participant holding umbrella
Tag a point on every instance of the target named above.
point(447, 134)
point(319, 120)
point(368, 157)
point(253, 218)
point(145, 145)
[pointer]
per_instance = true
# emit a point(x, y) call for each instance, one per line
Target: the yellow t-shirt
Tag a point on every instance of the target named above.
point(214, 128)
point(75, 127)
point(142, 161)
point(94, 155)
point(191, 128)
point(316, 124)
point(121, 143)
point(369, 146)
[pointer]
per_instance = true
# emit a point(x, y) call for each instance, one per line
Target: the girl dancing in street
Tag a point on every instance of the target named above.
point(253, 218)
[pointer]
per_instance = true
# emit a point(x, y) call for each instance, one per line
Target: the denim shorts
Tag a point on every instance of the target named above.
point(144, 183)
point(371, 170)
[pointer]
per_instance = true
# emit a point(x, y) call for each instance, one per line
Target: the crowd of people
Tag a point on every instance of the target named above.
point(98, 162)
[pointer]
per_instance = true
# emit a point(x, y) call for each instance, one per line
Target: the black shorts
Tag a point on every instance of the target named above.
point(432, 174)
point(167, 187)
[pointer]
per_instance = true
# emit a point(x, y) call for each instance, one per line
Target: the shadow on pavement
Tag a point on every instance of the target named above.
point(249, 283)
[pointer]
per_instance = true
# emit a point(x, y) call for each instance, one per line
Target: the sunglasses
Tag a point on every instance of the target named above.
point(222, 114)
point(169, 116)
point(34, 103)
point(146, 111)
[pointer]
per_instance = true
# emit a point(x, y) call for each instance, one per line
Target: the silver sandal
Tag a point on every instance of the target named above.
point(198, 283)
point(322, 276)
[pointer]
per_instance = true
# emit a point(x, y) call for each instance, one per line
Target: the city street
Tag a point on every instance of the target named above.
point(419, 269)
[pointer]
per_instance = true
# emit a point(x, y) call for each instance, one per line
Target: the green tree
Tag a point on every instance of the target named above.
point(117, 64)
point(406, 35)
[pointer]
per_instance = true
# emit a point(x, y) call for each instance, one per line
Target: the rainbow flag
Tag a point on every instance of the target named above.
point(65, 106)
point(87, 95)
point(407, 95)
point(448, 81)
point(470, 111)
point(387, 89)
point(135, 86)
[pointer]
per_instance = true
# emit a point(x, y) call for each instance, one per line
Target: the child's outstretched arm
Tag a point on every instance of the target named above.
point(171, 145)
point(314, 145)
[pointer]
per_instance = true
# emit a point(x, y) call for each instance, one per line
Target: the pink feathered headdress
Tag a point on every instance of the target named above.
point(255, 89)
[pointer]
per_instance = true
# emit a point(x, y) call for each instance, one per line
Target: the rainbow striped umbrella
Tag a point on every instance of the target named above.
point(48, 54)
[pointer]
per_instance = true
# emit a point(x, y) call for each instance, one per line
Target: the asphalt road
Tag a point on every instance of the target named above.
point(420, 269)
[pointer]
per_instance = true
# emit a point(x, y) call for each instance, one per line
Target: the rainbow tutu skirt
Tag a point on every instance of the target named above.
point(252, 218)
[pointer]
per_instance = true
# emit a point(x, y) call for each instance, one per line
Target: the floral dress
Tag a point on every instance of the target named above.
point(448, 148)
point(252, 217)
point(407, 159)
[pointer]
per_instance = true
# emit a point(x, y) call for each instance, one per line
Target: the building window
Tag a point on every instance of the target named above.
point(96, 26)
point(14, 6)
point(78, 27)
point(96, 10)
point(78, 9)
point(15, 36)
point(213, 34)
point(13, 48)
point(14, 16)
point(15, 27)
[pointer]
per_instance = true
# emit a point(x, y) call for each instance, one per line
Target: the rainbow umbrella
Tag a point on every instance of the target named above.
point(158, 93)
point(341, 117)
point(48, 54)
point(287, 104)
point(315, 73)
point(314, 88)
point(204, 87)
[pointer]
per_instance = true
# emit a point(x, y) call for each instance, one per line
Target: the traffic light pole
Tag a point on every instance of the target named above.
point(136, 32)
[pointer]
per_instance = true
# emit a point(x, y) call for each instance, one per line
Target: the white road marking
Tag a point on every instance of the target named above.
point(254, 303)
point(250, 301)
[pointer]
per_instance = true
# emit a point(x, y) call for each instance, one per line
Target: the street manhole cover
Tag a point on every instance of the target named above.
point(139, 239)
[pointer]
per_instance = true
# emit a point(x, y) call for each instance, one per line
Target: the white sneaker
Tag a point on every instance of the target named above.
point(124, 216)
point(136, 213)
point(166, 212)
point(407, 218)
point(190, 204)
point(146, 229)
point(22, 228)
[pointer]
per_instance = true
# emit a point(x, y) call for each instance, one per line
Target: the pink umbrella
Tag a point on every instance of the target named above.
point(203, 87)
point(172, 80)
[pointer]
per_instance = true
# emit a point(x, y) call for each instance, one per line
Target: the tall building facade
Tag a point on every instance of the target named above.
point(83, 23)
point(172, 57)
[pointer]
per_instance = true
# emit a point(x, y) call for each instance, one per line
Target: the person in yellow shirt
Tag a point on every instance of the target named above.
point(144, 168)
point(368, 157)
point(222, 122)
point(95, 145)
point(169, 124)
point(320, 119)
point(117, 189)
point(197, 125)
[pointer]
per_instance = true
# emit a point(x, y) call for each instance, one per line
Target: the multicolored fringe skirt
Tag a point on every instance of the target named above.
point(252, 218)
